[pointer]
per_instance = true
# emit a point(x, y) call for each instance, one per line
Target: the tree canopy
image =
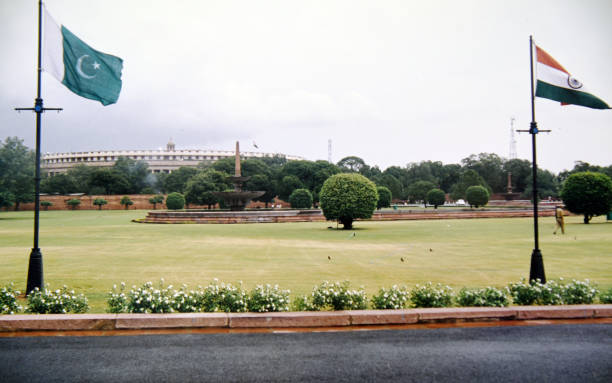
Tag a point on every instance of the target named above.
point(587, 193)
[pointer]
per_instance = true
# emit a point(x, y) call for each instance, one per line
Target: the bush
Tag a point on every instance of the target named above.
point(268, 299)
point(588, 194)
point(116, 300)
point(148, 299)
point(346, 197)
point(46, 204)
point(99, 202)
point(73, 203)
point(436, 197)
point(486, 297)
point(477, 195)
point(8, 300)
point(301, 199)
point(579, 292)
point(126, 201)
point(337, 296)
point(606, 297)
point(225, 297)
point(384, 197)
point(302, 303)
point(431, 296)
point(155, 200)
point(393, 298)
point(60, 301)
point(552, 293)
point(175, 201)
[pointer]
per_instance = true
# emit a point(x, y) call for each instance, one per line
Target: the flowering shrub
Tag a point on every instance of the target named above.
point(486, 297)
point(60, 301)
point(116, 300)
point(552, 293)
point(191, 301)
point(225, 297)
point(8, 300)
point(579, 292)
point(606, 297)
point(268, 299)
point(337, 296)
point(302, 303)
point(148, 299)
point(393, 298)
point(431, 296)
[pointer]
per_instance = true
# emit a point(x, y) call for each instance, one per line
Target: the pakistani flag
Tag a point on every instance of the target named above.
point(85, 71)
point(555, 83)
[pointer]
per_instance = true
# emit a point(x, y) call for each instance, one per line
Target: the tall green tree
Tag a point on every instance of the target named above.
point(588, 193)
point(468, 178)
point(418, 190)
point(261, 182)
point(351, 164)
point(108, 181)
point(135, 172)
point(177, 180)
point(17, 164)
point(63, 183)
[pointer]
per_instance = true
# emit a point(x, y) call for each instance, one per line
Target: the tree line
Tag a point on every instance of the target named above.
point(276, 176)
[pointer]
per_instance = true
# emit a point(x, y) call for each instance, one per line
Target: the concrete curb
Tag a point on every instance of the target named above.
point(102, 322)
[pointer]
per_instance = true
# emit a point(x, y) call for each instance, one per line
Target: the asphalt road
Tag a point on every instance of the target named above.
point(553, 353)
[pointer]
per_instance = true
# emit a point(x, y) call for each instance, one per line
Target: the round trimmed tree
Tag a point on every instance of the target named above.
point(384, 197)
point(436, 197)
point(301, 199)
point(587, 193)
point(126, 201)
point(99, 202)
point(175, 201)
point(348, 196)
point(477, 195)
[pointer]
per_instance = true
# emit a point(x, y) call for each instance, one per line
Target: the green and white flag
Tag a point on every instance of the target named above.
point(85, 71)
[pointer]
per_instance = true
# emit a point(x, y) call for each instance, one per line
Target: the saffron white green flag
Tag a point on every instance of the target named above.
point(83, 70)
point(555, 83)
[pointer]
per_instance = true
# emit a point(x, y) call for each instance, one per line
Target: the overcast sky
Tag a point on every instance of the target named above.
point(392, 82)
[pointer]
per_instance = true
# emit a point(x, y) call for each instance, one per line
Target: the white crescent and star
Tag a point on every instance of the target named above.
point(79, 67)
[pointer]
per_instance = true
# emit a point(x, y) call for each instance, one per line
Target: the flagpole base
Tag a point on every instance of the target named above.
point(35, 271)
point(536, 272)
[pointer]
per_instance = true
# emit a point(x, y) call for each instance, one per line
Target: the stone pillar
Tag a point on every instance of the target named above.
point(237, 169)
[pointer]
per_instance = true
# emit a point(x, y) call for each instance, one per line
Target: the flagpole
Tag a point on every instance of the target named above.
point(536, 271)
point(35, 266)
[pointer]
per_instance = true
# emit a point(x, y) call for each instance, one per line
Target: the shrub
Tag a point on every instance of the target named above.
point(302, 303)
point(552, 293)
point(436, 197)
point(486, 297)
point(384, 197)
point(155, 200)
point(431, 296)
point(73, 203)
point(175, 201)
point(126, 201)
point(301, 199)
point(346, 197)
point(225, 297)
point(579, 292)
point(393, 298)
point(337, 296)
point(148, 299)
point(8, 300)
point(116, 300)
point(606, 297)
point(46, 204)
point(588, 194)
point(60, 301)
point(99, 202)
point(477, 195)
point(268, 299)
point(184, 301)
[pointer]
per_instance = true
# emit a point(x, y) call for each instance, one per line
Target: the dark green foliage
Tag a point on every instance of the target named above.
point(177, 180)
point(99, 202)
point(73, 203)
point(588, 193)
point(384, 197)
point(17, 164)
point(351, 164)
point(301, 199)
point(175, 201)
point(111, 181)
point(486, 297)
point(548, 185)
point(477, 196)
point(6, 199)
point(46, 204)
point(155, 200)
point(135, 172)
point(436, 197)
point(63, 183)
point(468, 178)
point(261, 182)
point(348, 196)
point(418, 190)
point(200, 188)
point(287, 185)
point(489, 167)
point(126, 201)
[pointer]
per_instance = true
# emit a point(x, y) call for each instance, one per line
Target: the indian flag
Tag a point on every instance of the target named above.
point(556, 83)
point(82, 69)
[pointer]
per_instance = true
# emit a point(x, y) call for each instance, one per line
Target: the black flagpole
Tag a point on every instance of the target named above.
point(35, 267)
point(536, 271)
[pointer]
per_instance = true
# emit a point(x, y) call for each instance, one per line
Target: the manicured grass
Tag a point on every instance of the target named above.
point(92, 250)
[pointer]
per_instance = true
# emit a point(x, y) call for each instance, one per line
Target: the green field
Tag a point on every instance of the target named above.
point(92, 250)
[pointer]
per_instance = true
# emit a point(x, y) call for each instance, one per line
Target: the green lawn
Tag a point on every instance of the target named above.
point(92, 250)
